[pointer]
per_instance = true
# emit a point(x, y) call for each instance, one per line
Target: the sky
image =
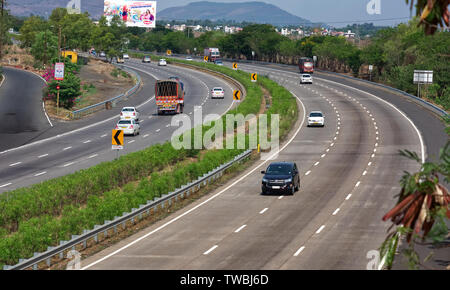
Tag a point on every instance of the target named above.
point(337, 13)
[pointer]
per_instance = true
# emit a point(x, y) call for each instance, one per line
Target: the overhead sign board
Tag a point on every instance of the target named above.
point(132, 13)
point(59, 71)
point(423, 76)
point(117, 139)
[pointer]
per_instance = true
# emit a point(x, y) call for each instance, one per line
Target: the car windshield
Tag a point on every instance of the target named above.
point(279, 169)
point(315, 115)
point(124, 122)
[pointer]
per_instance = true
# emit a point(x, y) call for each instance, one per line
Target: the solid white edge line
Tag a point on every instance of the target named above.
point(4, 185)
point(209, 199)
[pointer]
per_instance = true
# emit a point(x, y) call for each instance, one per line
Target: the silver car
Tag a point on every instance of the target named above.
point(129, 113)
point(129, 127)
point(306, 78)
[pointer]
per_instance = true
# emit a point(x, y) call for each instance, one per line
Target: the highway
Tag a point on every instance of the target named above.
point(350, 172)
point(71, 146)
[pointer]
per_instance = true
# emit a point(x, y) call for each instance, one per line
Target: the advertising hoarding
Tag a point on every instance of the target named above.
point(132, 13)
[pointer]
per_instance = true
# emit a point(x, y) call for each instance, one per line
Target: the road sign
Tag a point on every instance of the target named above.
point(57, 87)
point(423, 76)
point(235, 66)
point(237, 95)
point(254, 77)
point(59, 71)
point(117, 139)
point(370, 67)
point(169, 52)
point(205, 58)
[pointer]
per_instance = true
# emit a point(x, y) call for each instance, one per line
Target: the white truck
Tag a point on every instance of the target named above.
point(212, 53)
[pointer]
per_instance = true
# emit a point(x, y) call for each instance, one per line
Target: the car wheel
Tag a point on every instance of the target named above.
point(263, 192)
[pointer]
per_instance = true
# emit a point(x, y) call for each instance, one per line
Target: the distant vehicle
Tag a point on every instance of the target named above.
point(217, 92)
point(212, 53)
point(102, 54)
point(281, 177)
point(306, 65)
point(189, 57)
point(162, 62)
point(146, 59)
point(129, 127)
point(316, 118)
point(120, 60)
point(126, 56)
point(169, 95)
point(129, 113)
point(306, 78)
point(218, 62)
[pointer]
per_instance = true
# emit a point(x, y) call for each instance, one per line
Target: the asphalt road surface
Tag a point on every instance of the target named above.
point(22, 117)
point(349, 175)
point(71, 146)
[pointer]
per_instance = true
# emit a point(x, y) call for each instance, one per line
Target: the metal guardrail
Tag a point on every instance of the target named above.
point(102, 105)
point(136, 213)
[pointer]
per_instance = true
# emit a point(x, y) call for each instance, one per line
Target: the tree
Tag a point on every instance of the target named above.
point(432, 13)
point(422, 208)
point(45, 46)
point(70, 89)
point(30, 28)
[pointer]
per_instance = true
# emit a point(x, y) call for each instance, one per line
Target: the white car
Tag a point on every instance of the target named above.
point(306, 78)
point(102, 54)
point(129, 127)
point(126, 56)
point(189, 58)
point(162, 62)
point(129, 113)
point(316, 118)
point(217, 92)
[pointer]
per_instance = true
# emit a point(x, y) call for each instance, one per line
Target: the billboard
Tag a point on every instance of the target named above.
point(133, 13)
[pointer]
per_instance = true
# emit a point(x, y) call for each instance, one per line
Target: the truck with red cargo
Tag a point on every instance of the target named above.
point(306, 65)
point(212, 53)
point(169, 95)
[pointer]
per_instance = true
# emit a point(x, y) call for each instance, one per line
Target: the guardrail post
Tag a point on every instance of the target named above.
point(49, 262)
point(35, 267)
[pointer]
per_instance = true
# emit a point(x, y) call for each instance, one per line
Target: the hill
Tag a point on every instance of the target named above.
point(256, 12)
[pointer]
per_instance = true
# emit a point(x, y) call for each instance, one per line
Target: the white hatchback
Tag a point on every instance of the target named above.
point(129, 113)
point(129, 127)
point(217, 93)
point(162, 62)
point(316, 118)
point(306, 78)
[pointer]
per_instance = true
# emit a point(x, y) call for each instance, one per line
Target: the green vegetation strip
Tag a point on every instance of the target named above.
point(33, 218)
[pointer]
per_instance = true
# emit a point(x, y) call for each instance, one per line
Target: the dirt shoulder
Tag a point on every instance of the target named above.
point(101, 81)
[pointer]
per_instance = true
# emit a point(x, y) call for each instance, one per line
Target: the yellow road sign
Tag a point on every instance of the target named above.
point(117, 139)
point(254, 77)
point(169, 52)
point(235, 66)
point(237, 95)
point(205, 58)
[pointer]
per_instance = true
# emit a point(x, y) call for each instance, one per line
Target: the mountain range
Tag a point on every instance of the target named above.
point(255, 12)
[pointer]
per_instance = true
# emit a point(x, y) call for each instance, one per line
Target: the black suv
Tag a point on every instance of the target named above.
point(281, 177)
